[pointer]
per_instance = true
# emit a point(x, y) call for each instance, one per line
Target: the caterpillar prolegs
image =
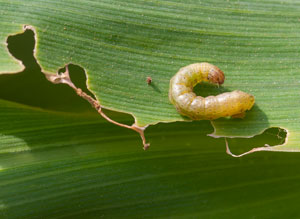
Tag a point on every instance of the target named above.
point(181, 94)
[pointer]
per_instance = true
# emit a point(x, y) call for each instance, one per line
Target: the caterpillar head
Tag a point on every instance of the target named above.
point(216, 76)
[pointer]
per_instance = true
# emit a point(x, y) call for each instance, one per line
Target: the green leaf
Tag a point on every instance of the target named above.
point(120, 43)
point(59, 159)
point(62, 165)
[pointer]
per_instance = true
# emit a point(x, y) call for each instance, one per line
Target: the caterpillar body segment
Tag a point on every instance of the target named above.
point(181, 94)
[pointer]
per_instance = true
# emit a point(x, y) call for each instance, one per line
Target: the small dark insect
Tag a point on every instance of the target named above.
point(181, 94)
point(149, 80)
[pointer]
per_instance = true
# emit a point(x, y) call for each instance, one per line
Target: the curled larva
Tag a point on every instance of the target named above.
point(181, 94)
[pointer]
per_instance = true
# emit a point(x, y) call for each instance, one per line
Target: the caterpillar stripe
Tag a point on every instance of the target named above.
point(181, 94)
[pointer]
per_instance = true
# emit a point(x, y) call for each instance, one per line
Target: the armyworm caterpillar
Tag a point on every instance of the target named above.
point(181, 94)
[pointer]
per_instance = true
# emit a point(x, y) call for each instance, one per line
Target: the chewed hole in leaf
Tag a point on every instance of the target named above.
point(270, 137)
point(78, 77)
point(30, 87)
point(37, 91)
point(21, 46)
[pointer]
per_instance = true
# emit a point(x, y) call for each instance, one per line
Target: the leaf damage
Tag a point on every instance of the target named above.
point(282, 136)
point(64, 78)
